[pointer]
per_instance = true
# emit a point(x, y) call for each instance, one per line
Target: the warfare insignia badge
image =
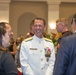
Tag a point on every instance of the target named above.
point(47, 53)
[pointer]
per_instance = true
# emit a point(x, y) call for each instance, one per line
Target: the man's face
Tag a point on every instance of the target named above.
point(39, 28)
point(9, 30)
point(5, 40)
point(59, 27)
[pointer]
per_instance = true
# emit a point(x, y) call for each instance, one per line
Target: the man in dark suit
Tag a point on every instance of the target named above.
point(65, 63)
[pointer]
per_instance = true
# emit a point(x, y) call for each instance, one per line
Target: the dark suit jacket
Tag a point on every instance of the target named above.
point(65, 63)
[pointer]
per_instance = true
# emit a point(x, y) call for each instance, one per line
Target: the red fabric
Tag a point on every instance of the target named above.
point(19, 73)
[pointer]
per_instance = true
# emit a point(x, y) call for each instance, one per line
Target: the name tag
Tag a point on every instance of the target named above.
point(33, 48)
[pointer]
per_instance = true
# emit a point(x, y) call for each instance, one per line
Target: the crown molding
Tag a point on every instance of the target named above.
point(56, 1)
point(4, 4)
point(29, 0)
point(69, 1)
point(5, 1)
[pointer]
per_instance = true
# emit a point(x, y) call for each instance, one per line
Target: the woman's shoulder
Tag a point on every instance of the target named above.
point(5, 55)
point(1, 53)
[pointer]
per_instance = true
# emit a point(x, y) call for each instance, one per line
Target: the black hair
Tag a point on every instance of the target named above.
point(41, 19)
point(74, 18)
point(3, 24)
point(2, 32)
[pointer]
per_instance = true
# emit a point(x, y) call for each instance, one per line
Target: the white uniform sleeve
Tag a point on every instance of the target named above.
point(26, 69)
point(51, 62)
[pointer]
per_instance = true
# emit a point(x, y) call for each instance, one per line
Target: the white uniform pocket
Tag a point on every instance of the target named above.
point(33, 51)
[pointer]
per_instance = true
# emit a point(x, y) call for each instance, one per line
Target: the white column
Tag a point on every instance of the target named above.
point(4, 10)
point(53, 15)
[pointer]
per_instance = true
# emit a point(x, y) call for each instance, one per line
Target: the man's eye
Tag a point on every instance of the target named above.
point(37, 25)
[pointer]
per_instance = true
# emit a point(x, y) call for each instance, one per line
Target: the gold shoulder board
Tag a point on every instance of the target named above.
point(47, 39)
point(28, 39)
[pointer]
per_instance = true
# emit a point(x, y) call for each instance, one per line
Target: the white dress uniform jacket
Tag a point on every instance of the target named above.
point(33, 59)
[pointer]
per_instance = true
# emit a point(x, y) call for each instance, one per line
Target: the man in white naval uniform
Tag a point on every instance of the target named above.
point(37, 54)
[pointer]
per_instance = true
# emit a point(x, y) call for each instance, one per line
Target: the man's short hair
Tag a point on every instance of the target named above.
point(41, 19)
point(63, 21)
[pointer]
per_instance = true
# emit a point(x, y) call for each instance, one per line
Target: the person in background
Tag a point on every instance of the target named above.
point(31, 33)
point(37, 54)
point(65, 63)
point(18, 43)
point(62, 27)
point(7, 65)
point(12, 47)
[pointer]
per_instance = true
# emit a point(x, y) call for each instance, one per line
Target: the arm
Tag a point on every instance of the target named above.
point(26, 69)
point(61, 62)
point(8, 64)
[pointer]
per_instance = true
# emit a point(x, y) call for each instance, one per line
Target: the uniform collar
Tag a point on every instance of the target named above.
point(37, 38)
